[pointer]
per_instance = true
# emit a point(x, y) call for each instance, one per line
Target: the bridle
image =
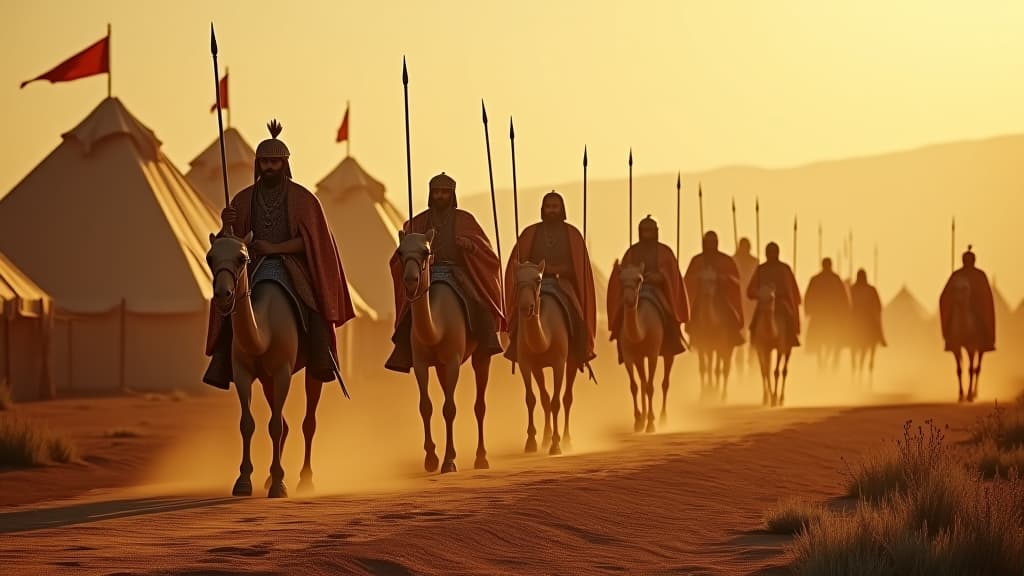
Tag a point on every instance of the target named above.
point(236, 278)
point(534, 286)
point(422, 265)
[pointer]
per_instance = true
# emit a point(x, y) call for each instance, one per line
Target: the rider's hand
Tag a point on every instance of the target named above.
point(229, 216)
point(260, 248)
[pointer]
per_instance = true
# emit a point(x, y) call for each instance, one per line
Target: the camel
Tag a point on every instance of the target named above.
point(965, 335)
point(771, 335)
point(641, 338)
point(710, 337)
point(265, 346)
point(542, 341)
point(440, 338)
point(859, 353)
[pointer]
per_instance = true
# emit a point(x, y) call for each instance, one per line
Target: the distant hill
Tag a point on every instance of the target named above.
point(903, 201)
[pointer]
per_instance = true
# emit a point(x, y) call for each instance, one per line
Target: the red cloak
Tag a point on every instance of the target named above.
point(583, 286)
point(981, 300)
point(781, 275)
point(729, 279)
point(673, 287)
point(319, 263)
point(482, 264)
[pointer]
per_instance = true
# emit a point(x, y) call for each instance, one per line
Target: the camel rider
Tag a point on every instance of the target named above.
point(567, 276)
point(865, 313)
point(779, 275)
point(292, 245)
point(827, 306)
point(969, 284)
point(662, 284)
point(717, 267)
point(462, 258)
point(746, 263)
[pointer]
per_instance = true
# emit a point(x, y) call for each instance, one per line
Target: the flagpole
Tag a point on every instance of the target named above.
point(110, 81)
point(490, 175)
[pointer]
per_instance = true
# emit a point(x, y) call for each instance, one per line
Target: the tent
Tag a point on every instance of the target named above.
point(205, 174)
point(365, 226)
point(115, 234)
point(27, 315)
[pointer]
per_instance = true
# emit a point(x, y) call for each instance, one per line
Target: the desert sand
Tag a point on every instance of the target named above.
point(686, 500)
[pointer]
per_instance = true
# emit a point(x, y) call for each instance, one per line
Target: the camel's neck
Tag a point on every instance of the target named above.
point(423, 328)
point(532, 333)
point(632, 330)
point(243, 320)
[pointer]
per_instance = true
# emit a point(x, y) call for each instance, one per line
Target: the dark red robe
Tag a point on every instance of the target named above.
point(982, 302)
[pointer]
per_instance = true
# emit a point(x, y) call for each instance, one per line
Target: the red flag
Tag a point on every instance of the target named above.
point(223, 94)
point(343, 131)
point(93, 60)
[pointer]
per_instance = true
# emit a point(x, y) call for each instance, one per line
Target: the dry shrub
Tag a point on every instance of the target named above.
point(893, 469)
point(791, 516)
point(26, 443)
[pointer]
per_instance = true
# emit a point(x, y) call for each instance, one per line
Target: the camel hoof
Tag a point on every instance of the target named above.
point(243, 487)
point(306, 486)
point(547, 440)
point(448, 467)
point(278, 490)
point(650, 427)
point(566, 444)
point(531, 445)
point(556, 450)
point(266, 485)
point(431, 462)
point(482, 463)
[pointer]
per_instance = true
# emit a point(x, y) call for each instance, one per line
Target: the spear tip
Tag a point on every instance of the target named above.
point(630, 155)
point(484, 108)
point(584, 155)
point(213, 40)
point(679, 180)
point(405, 72)
point(511, 129)
point(733, 203)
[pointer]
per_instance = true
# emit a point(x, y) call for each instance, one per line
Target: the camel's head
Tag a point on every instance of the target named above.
point(528, 280)
point(632, 279)
point(416, 257)
point(227, 259)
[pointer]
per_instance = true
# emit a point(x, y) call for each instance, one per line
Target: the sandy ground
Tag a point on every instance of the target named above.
point(687, 500)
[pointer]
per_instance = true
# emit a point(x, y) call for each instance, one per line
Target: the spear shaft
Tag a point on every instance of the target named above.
point(490, 174)
point(735, 228)
point(952, 248)
point(584, 195)
point(630, 196)
point(757, 213)
point(220, 119)
point(408, 148)
point(679, 209)
point(794, 245)
point(515, 188)
point(700, 198)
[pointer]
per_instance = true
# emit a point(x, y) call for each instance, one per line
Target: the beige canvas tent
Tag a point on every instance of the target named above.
point(27, 315)
point(205, 173)
point(365, 226)
point(115, 234)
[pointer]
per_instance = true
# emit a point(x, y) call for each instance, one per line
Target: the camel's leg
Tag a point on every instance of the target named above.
point(558, 376)
point(665, 376)
point(652, 366)
point(702, 366)
point(975, 374)
point(531, 404)
point(638, 423)
point(775, 388)
point(571, 369)
point(247, 426)
point(281, 379)
point(268, 393)
point(313, 389)
point(482, 370)
point(726, 368)
point(959, 371)
point(451, 378)
point(430, 462)
point(785, 374)
point(719, 371)
point(545, 404)
point(641, 413)
point(764, 360)
point(871, 367)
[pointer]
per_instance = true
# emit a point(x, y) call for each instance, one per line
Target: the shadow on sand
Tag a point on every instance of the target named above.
point(40, 519)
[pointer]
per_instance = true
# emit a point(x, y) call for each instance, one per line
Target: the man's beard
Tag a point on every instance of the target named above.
point(648, 240)
point(551, 217)
point(271, 177)
point(439, 204)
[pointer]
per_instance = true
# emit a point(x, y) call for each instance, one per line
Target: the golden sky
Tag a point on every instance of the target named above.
point(689, 85)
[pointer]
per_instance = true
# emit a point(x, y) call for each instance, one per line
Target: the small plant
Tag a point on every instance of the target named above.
point(792, 516)
point(25, 443)
point(898, 468)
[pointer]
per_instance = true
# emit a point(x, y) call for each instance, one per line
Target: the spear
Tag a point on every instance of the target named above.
point(679, 208)
point(584, 194)
point(735, 228)
point(700, 196)
point(408, 152)
point(220, 120)
point(515, 189)
point(490, 174)
point(757, 213)
point(794, 245)
point(631, 196)
point(952, 248)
